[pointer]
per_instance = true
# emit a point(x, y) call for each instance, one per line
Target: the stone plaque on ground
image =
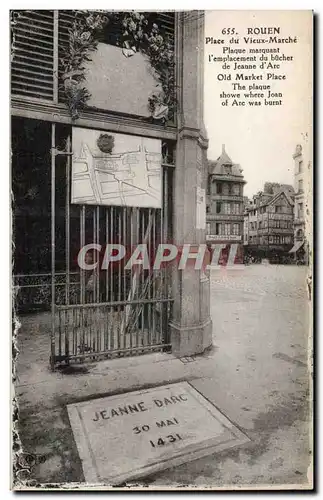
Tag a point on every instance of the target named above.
point(124, 437)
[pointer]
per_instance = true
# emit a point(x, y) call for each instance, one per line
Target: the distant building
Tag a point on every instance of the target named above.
point(300, 248)
point(225, 201)
point(268, 223)
point(247, 202)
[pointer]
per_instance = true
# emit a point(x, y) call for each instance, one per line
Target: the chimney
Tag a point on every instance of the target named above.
point(223, 148)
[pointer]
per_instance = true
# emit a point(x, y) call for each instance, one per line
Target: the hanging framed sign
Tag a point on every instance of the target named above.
point(115, 169)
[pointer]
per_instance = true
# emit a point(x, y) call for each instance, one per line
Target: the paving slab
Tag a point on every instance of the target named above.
point(125, 437)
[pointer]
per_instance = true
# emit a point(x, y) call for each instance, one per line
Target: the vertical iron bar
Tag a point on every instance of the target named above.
point(166, 205)
point(112, 310)
point(106, 243)
point(91, 342)
point(166, 273)
point(81, 313)
point(82, 242)
point(119, 262)
point(53, 162)
point(60, 331)
point(137, 278)
point(161, 274)
point(67, 337)
point(74, 314)
point(94, 272)
point(119, 280)
point(155, 275)
point(151, 278)
point(136, 295)
point(124, 297)
point(106, 324)
point(130, 277)
point(67, 221)
point(142, 280)
point(98, 270)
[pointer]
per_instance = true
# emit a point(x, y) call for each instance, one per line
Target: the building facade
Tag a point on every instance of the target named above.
point(300, 249)
point(76, 77)
point(268, 226)
point(225, 201)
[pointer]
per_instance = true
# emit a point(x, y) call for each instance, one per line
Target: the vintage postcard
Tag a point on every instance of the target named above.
point(162, 254)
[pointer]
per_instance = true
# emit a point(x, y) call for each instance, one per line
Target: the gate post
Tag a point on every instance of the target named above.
point(191, 325)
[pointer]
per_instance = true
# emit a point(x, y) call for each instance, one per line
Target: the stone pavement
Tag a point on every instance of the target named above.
point(256, 374)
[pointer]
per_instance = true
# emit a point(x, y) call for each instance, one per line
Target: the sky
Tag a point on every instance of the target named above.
point(263, 139)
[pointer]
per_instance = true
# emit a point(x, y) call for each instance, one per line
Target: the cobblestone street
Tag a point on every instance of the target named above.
point(261, 382)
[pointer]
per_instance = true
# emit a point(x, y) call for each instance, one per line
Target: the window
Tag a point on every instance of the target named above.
point(236, 189)
point(227, 229)
point(300, 211)
point(236, 229)
point(227, 208)
point(276, 239)
point(217, 228)
point(207, 210)
point(218, 207)
point(300, 167)
point(235, 208)
point(300, 186)
point(219, 188)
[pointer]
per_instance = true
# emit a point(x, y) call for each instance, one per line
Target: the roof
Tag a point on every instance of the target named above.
point(270, 201)
point(276, 197)
point(217, 167)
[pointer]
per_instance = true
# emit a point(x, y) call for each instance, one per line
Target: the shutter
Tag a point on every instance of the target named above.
point(166, 23)
point(33, 57)
point(65, 22)
point(33, 54)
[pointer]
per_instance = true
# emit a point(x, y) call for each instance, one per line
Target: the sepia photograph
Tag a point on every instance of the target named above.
point(161, 170)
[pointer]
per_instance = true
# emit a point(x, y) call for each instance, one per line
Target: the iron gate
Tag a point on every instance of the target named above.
point(114, 311)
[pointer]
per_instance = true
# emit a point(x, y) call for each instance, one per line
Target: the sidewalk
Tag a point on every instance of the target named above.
point(256, 374)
